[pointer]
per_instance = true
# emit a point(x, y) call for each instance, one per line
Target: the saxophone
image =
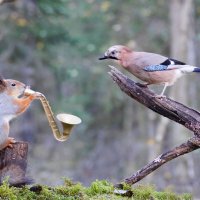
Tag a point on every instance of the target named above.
point(68, 121)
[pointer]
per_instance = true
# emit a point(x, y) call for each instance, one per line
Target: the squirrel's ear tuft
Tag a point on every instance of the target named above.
point(2, 84)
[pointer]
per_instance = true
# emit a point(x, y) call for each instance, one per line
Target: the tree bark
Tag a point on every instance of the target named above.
point(13, 164)
point(182, 47)
point(187, 147)
point(169, 108)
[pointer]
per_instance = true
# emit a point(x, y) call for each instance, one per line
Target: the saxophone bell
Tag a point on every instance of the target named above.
point(68, 121)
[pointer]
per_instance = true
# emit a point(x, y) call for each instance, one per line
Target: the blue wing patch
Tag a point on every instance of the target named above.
point(152, 68)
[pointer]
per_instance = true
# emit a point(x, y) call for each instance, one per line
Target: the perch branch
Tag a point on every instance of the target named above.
point(187, 147)
point(164, 106)
point(168, 108)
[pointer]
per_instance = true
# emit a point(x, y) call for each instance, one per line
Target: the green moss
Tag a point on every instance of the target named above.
point(143, 192)
point(98, 190)
point(186, 196)
point(165, 196)
point(170, 196)
point(99, 187)
point(7, 192)
point(24, 193)
point(70, 189)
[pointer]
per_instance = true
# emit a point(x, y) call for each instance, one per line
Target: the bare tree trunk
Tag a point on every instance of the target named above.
point(182, 48)
point(181, 16)
point(182, 40)
point(128, 113)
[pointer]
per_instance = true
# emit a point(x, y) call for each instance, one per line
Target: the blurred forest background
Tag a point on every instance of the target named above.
point(54, 47)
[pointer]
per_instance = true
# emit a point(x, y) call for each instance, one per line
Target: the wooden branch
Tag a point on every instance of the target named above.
point(164, 106)
point(168, 108)
point(13, 164)
point(189, 146)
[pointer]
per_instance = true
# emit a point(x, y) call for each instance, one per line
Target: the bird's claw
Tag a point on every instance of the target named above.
point(142, 85)
point(160, 96)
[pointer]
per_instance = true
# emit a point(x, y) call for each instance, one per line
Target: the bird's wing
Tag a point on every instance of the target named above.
point(153, 68)
point(144, 59)
point(182, 68)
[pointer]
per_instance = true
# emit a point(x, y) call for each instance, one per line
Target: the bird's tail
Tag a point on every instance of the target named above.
point(196, 69)
point(182, 68)
point(189, 69)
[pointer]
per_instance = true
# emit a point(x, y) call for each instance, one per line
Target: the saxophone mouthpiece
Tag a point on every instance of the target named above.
point(28, 91)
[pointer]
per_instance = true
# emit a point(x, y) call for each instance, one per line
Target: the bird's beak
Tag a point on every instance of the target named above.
point(103, 57)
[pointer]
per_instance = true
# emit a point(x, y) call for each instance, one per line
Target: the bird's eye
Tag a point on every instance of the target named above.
point(13, 84)
point(113, 52)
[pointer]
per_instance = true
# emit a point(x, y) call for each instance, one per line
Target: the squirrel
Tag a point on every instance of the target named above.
point(13, 102)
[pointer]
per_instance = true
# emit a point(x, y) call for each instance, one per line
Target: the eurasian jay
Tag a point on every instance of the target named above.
point(149, 67)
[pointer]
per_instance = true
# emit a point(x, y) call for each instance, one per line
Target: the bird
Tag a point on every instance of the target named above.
point(151, 68)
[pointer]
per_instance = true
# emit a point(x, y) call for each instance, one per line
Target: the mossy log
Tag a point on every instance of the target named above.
point(13, 164)
point(167, 107)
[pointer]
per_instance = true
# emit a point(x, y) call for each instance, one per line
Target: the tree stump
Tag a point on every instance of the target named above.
point(13, 164)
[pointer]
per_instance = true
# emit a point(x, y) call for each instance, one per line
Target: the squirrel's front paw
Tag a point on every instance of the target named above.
point(10, 142)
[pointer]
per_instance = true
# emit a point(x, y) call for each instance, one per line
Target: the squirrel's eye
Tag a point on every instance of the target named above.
point(13, 84)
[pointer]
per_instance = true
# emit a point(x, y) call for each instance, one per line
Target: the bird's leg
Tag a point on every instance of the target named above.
point(161, 95)
point(165, 86)
point(142, 84)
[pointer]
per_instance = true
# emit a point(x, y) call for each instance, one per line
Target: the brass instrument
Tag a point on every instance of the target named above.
point(68, 121)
